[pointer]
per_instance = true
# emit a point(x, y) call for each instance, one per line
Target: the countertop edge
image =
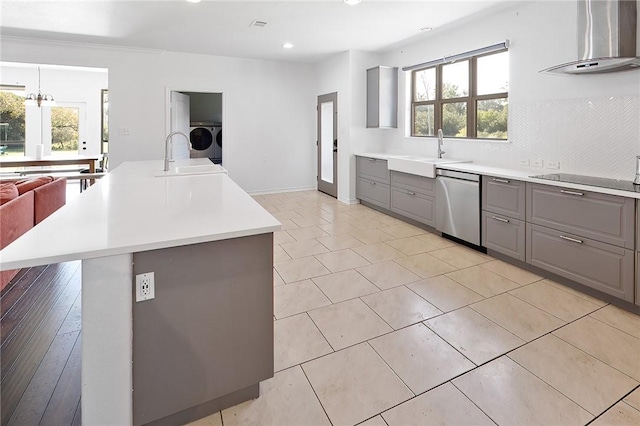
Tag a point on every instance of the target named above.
point(506, 173)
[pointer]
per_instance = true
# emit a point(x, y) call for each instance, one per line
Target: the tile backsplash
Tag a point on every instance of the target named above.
point(590, 136)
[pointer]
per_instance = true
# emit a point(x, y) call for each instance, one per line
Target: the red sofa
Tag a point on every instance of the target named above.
point(24, 204)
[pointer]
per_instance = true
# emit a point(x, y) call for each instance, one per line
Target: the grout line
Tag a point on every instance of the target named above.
point(473, 402)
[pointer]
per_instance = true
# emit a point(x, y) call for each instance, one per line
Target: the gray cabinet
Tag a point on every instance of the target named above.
point(372, 168)
point(601, 266)
point(601, 217)
point(503, 234)
point(382, 97)
point(503, 196)
point(503, 214)
point(414, 197)
point(372, 181)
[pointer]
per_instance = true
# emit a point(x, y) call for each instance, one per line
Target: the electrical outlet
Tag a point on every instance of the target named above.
point(145, 287)
point(537, 163)
point(124, 131)
point(525, 162)
point(553, 164)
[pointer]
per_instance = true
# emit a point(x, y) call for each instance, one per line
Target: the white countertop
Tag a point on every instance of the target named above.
point(517, 174)
point(130, 210)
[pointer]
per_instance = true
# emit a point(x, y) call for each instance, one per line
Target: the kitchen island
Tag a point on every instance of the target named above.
point(206, 340)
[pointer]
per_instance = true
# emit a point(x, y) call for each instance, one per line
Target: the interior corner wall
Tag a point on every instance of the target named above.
point(587, 123)
point(269, 114)
point(334, 75)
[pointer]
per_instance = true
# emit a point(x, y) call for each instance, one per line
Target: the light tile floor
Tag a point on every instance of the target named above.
point(378, 322)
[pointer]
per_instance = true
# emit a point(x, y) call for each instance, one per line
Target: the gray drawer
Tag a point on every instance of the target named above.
point(602, 217)
point(604, 267)
point(503, 196)
point(413, 183)
point(413, 205)
point(374, 192)
point(373, 168)
point(503, 234)
point(638, 225)
point(637, 278)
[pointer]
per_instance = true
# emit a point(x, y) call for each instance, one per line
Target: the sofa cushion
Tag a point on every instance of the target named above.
point(8, 192)
point(31, 184)
point(49, 198)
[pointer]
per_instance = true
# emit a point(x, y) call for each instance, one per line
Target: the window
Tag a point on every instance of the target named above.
point(466, 98)
point(104, 107)
point(64, 130)
point(12, 120)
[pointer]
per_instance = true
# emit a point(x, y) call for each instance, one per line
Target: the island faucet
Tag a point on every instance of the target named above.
point(440, 142)
point(168, 154)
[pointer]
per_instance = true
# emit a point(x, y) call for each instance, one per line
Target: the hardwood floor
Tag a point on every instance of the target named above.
point(40, 352)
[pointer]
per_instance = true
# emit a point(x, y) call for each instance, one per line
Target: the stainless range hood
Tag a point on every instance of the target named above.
point(606, 38)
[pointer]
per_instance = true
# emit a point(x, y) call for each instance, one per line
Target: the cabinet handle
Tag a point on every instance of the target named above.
point(410, 193)
point(372, 183)
point(501, 180)
point(573, 240)
point(499, 219)
point(373, 160)
point(572, 192)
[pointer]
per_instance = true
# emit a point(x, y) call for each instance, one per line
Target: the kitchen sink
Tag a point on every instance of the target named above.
point(191, 170)
point(416, 165)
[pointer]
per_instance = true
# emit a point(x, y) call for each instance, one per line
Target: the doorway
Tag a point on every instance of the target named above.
point(328, 144)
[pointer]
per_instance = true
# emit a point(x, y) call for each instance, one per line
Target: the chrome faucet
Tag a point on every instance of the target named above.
point(168, 153)
point(440, 142)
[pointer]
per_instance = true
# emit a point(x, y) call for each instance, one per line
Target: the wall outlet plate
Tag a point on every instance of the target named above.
point(145, 287)
point(553, 164)
point(525, 162)
point(538, 163)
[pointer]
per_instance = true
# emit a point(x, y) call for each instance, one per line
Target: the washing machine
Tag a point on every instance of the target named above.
point(206, 141)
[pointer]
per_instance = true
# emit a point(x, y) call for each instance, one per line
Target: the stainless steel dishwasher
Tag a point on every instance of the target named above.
point(458, 205)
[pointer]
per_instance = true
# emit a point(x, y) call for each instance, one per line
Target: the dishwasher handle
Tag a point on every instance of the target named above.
point(458, 175)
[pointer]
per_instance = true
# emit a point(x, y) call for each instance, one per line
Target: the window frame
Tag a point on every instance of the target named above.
point(471, 100)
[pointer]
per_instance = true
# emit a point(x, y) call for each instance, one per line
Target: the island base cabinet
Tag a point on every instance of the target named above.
point(413, 205)
point(373, 192)
point(206, 340)
point(601, 266)
point(504, 235)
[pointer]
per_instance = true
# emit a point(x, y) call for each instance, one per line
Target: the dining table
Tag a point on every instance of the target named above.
point(21, 162)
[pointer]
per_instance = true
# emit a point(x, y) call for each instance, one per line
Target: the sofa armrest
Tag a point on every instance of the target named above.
point(16, 218)
point(49, 198)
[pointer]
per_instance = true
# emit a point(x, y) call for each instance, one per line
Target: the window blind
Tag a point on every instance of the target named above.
point(460, 56)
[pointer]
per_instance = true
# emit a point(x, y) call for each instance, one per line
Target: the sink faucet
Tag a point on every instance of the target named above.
point(168, 154)
point(440, 142)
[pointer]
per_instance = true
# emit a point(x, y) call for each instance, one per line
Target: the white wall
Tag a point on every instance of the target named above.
point(590, 124)
point(343, 73)
point(67, 85)
point(269, 107)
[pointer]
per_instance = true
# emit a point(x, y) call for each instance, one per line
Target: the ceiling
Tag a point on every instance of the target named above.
point(218, 27)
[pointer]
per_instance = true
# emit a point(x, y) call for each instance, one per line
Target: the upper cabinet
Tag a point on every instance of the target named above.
point(382, 97)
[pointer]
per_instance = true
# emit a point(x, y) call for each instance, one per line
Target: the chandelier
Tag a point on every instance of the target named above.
point(39, 99)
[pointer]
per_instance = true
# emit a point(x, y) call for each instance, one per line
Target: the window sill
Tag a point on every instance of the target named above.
point(474, 140)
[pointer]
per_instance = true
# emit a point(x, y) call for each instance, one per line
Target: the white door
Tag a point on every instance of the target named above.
point(180, 122)
point(328, 143)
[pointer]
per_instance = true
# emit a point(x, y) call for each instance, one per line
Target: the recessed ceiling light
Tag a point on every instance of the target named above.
point(194, 1)
point(426, 28)
point(287, 45)
point(257, 23)
point(352, 2)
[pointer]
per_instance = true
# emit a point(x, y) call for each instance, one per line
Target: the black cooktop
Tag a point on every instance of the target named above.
point(622, 185)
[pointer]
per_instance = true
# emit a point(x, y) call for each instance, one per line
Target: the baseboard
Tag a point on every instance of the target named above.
point(277, 191)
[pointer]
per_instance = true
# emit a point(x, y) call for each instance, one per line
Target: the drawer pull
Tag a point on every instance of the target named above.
point(373, 160)
point(573, 240)
point(372, 183)
point(410, 193)
point(501, 180)
point(499, 219)
point(572, 192)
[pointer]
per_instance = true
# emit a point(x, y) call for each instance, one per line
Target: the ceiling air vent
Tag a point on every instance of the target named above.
point(256, 23)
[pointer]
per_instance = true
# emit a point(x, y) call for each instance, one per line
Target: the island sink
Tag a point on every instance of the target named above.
point(416, 165)
point(203, 169)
